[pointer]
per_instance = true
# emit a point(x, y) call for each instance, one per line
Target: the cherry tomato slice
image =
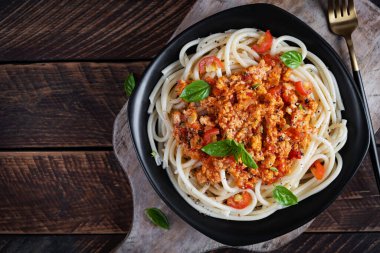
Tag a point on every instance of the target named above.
point(240, 200)
point(295, 154)
point(301, 89)
point(264, 43)
point(207, 137)
point(318, 170)
point(275, 91)
point(209, 63)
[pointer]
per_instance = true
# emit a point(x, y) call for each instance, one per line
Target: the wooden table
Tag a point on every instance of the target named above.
point(62, 65)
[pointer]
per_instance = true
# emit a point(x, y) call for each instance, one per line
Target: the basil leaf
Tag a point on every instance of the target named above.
point(292, 59)
point(273, 169)
point(219, 148)
point(236, 150)
point(283, 196)
point(230, 147)
point(247, 159)
point(196, 91)
point(129, 85)
point(157, 217)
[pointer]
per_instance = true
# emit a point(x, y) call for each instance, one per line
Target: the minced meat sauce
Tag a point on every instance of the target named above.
point(259, 107)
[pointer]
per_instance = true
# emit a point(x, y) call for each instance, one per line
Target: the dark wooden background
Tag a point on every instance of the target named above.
point(62, 65)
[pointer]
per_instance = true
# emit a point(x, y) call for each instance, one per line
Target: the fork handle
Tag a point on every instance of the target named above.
point(372, 147)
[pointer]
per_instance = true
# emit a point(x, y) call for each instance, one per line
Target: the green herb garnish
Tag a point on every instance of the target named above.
point(154, 154)
point(196, 91)
point(220, 148)
point(273, 169)
point(157, 217)
point(255, 86)
point(301, 107)
point(129, 85)
point(230, 147)
point(283, 196)
point(292, 59)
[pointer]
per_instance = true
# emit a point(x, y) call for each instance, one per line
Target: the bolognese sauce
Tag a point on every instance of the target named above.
point(260, 107)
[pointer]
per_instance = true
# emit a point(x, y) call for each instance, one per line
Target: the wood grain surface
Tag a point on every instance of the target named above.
point(63, 192)
point(59, 243)
point(61, 104)
point(307, 242)
point(327, 242)
point(75, 29)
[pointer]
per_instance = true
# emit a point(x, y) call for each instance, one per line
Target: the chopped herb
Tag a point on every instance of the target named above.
point(283, 196)
point(196, 91)
point(255, 86)
point(292, 59)
point(154, 154)
point(129, 84)
point(273, 169)
point(230, 147)
point(301, 107)
point(157, 217)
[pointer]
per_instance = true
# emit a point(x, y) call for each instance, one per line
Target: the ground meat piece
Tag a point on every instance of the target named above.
point(206, 121)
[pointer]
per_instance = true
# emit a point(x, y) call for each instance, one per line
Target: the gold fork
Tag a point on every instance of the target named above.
point(343, 21)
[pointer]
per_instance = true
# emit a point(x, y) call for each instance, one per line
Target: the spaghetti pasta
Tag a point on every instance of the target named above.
point(234, 49)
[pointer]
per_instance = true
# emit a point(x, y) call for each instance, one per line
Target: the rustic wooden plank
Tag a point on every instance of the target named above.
point(307, 242)
point(59, 243)
point(327, 243)
point(47, 30)
point(61, 104)
point(63, 192)
point(356, 209)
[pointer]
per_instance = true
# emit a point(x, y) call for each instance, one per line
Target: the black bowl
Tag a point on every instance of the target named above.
point(280, 22)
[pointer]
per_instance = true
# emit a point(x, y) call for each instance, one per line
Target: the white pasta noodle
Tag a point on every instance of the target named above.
point(234, 50)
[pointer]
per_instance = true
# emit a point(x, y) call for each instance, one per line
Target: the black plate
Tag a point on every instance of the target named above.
point(280, 22)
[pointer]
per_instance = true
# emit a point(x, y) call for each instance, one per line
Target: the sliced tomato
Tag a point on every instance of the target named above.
point(276, 91)
point(240, 200)
point(295, 154)
point(209, 63)
point(300, 88)
point(210, 80)
point(270, 60)
point(264, 43)
point(286, 93)
point(209, 134)
point(295, 134)
point(318, 170)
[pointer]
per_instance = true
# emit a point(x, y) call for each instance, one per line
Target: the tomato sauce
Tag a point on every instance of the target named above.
point(259, 107)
